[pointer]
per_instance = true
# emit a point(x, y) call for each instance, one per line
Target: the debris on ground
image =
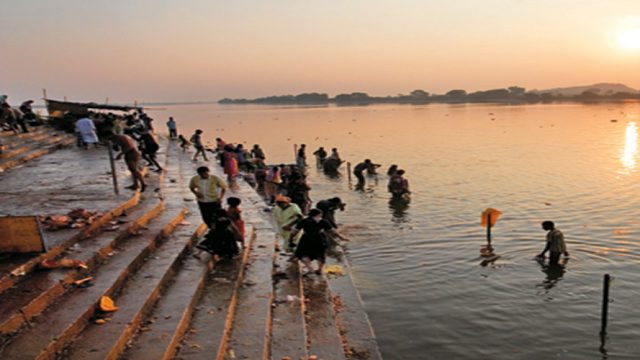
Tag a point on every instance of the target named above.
point(75, 219)
point(63, 263)
point(19, 271)
point(83, 282)
point(107, 304)
point(335, 270)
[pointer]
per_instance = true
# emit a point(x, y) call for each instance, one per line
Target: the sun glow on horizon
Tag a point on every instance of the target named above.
point(630, 39)
point(630, 147)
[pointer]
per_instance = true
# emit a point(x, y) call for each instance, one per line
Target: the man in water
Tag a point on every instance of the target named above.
point(209, 191)
point(360, 168)
point(329, 208)
point(301, 158)
point(321, 155)
point(555, 243)
point(398, 185)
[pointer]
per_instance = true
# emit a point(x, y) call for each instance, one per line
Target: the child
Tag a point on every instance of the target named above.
point(235, 215)
point(184, 143)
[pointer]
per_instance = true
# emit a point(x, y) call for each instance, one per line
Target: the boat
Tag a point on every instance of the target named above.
point(57, 108)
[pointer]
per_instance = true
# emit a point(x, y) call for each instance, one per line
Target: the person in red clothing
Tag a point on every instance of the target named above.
point(235, 215)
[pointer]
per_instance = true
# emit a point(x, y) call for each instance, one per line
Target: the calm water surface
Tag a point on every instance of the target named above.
point(418, 266)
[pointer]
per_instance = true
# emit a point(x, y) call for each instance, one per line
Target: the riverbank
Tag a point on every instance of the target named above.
point(170, 304)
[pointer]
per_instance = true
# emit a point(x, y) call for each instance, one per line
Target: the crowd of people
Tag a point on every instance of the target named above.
point(17, 120)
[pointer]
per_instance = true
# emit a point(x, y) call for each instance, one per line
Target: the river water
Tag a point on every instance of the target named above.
point(418, 265)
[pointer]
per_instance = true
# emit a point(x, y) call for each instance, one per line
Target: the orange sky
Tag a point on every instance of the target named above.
point(150, 50)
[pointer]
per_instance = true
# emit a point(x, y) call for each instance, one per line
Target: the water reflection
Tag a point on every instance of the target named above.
point(554, 273)
point(630, 147)
point(399, 207)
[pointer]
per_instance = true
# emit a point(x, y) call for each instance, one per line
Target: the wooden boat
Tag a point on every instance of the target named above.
point(58, 108)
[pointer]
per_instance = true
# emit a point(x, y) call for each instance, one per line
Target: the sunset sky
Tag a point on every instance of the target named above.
point(151, 50)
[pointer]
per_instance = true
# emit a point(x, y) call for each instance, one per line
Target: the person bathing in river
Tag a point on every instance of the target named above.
point(301, 158)
point(359, 169)
point(313, 243)
point(131, 157)
point(555, 243)
point(321, 156)
point(257, 152)
point(392, 170)
point(398, 186)
point(329, 207)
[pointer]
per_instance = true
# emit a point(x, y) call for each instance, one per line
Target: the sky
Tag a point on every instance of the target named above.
point(166, 50)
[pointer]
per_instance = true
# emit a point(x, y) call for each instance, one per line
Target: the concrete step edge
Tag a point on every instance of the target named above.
point(131, 328)
point(33, 143)
point(13, 162)
point(67, 336)
point(39, 304)
point(7, 280)
point(185, 319)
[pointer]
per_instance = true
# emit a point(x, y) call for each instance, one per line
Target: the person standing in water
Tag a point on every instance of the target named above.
point(360, 169)
point(555, 243)
point(398, 186)
point(301, 158)
point(321, 156)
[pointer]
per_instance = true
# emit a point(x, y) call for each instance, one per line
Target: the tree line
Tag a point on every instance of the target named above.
point(513, 94)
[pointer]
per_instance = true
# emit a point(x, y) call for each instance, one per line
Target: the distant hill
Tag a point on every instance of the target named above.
point(600, 89)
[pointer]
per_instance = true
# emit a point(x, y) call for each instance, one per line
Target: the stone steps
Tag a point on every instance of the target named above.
point(35, 152)
point(174, 306)
point(65, 320)
point(288, 322)
point(28, 266)
point(31, 296)
point(137, 299)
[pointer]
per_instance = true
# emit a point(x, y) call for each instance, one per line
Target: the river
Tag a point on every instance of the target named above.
point(418, 265)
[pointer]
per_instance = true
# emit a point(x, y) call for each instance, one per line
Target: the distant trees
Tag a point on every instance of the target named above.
point(512, 94)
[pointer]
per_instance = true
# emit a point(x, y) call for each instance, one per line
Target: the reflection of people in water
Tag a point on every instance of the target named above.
point(399, 207)
point(554, 272)
point(555, 243)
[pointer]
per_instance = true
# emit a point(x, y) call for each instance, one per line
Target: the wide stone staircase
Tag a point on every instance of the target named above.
point(20, 148)
point(172, 305)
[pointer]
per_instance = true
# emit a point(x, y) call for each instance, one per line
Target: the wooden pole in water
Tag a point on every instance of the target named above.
point(349, 171)
point(114, 175)
point(489, 229)
point(295, 153)
point(605, 304)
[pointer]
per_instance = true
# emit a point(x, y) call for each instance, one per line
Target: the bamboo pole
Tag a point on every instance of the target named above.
point(605, 304)
point(114, 174)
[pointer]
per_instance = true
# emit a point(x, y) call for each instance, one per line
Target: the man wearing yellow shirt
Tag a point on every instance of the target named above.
point(209, 191)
